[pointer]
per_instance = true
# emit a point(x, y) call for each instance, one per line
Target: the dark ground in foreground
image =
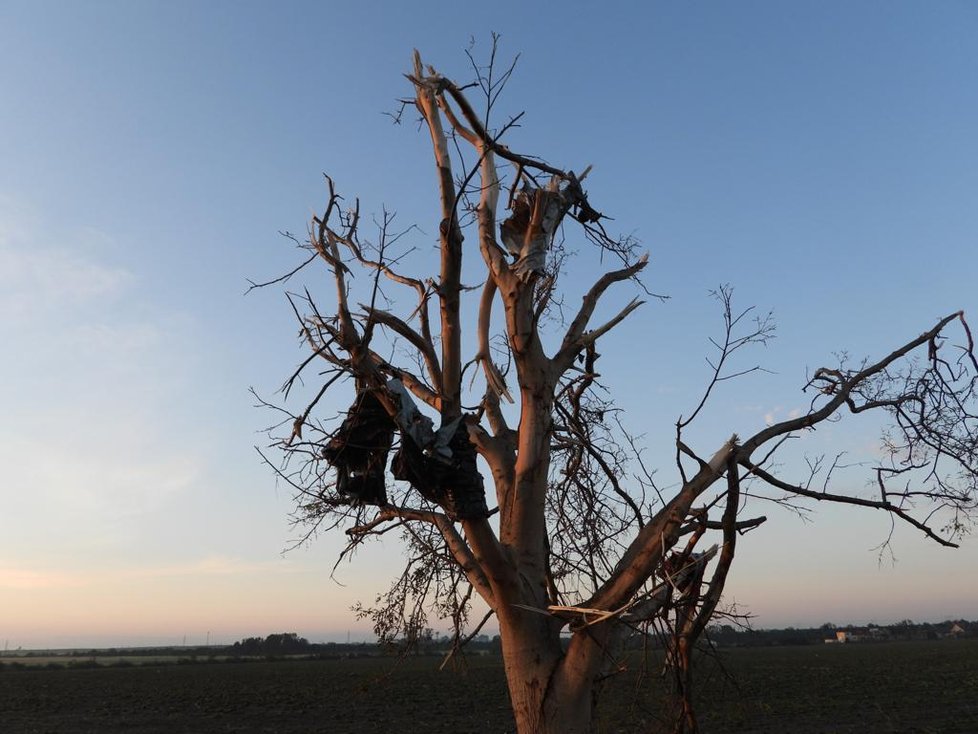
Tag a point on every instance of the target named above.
point(873, 688)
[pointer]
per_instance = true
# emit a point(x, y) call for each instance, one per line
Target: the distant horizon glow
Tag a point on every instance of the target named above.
point(358, 635)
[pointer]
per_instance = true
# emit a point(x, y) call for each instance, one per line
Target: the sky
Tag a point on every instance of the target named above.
point(818, 156)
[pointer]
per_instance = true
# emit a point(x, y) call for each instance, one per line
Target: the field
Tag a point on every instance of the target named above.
point(887, 687)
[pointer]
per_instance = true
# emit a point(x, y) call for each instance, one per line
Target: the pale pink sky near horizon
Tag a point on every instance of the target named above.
point(820, 157)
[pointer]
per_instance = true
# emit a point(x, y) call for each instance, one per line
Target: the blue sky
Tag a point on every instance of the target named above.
point(820, 157)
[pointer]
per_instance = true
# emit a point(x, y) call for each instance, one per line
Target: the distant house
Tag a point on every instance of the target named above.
point(957, 630)
point(850, 635)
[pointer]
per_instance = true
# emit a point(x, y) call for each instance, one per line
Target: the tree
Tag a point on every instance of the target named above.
point(578, 546)
point(282, 643)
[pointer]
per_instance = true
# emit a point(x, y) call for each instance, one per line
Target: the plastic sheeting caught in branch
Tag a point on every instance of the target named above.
point(358, 451)
point(440, 464)
point(410, 420)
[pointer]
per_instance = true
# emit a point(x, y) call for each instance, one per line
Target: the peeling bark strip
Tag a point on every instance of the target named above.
point(537, 212)
point(528, 233)
point(590, 547)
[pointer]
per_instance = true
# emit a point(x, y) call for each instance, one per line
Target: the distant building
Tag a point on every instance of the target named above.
point(844, 636)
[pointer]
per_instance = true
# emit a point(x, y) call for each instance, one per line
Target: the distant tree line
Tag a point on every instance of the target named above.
point(283, 643)
point(730, 635)
point(289, 643)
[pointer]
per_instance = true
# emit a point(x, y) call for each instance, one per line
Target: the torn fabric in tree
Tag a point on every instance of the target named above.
point(440, 464)
point(358, 451)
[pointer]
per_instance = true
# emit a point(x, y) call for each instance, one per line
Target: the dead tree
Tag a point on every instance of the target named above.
point(574, 537)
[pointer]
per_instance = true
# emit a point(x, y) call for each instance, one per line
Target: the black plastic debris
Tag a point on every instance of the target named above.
point(358, 451)
point(440, 464)
point(453, 482)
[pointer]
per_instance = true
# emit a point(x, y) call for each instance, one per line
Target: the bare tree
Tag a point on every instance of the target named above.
point(577, 546)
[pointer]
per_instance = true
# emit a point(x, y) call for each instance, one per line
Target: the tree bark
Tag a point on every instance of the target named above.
point(545, 698)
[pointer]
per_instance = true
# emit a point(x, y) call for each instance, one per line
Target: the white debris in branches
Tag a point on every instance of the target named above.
point(529, 230)
point(420, 427)
point(409, 419)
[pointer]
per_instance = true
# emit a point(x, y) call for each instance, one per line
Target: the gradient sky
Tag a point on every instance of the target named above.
point(819, 156)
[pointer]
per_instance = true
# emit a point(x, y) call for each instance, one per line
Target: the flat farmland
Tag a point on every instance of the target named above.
point(896, 687)
point(888, 687)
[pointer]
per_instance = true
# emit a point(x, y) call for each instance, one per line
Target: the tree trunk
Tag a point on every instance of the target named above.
point(551, 689)
point(543, 701)
point(683, 714)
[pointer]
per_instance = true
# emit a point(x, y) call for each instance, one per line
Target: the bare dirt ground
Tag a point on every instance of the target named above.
point(922, 687)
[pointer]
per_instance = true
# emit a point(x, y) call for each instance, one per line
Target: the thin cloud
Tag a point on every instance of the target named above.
point(29, 579)
point(38, 275)
point(215, 565)
point(777, 414)
point(33, 579)
point(93, 433)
